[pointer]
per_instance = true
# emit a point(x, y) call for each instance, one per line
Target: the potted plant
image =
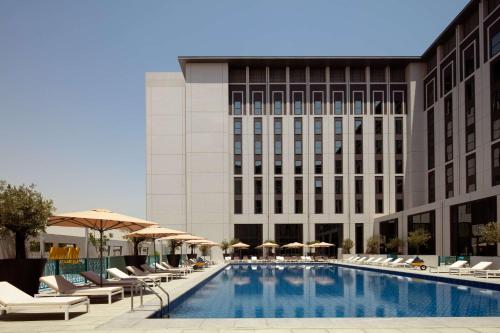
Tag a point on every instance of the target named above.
point(489, 236)
point(224, 246)
point(135, 259)
point(174, 259)
point(23, 214)
point(347, 245)
point(373, 244)
point(417, 239)
point(394, 245)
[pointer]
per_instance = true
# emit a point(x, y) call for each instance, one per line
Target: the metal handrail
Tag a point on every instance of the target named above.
point(157, 295)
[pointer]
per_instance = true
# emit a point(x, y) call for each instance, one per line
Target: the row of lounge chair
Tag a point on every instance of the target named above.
point(459, 267)
point(254, 259)
point(65, 295)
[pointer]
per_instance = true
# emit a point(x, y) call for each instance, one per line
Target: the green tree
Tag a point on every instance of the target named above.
point(489, 233)
point(418, 238)
point(224, 245)
point(347, 245)
point(204, 250)
point(97, 243)
point(373, 244)
point(394, 244)
point(23, 212)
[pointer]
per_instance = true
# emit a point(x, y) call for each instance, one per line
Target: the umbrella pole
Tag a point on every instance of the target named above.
point(154, 252)
point(100, 254)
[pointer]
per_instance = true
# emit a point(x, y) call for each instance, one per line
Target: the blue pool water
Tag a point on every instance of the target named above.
point(294, 291)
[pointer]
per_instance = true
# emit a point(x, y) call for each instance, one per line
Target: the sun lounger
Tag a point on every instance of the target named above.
point(487, 273)
point(384, 262)
point(182, 268)
point(13, 299)
point(376, 261)
point(359, 260)
point(407, 263)
point(447, 268)
point(95, 279)
point(227, 258)
point(370, 260)
point(280, 258)
point(160, 269)
point(139, 272)
point(119, 274)
point(470, 270)
point(61, 286)
point(394, 263)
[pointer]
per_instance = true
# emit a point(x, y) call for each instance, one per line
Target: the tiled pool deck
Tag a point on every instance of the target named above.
point(117, 317)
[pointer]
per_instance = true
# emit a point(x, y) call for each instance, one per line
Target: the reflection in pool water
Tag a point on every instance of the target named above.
point(269, 291)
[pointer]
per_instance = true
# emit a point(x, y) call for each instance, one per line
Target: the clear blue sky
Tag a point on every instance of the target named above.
point(72, 116)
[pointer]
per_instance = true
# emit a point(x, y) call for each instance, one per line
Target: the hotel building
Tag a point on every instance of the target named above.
point(330, 148)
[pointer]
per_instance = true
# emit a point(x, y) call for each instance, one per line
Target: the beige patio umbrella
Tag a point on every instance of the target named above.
point(240, 246)
point(268, 245)
point(154, 233)
point(183, 238)
point(320, 245)
point(294, 245)
point(101, 220)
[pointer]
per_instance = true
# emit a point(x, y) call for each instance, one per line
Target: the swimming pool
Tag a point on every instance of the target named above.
point(296, 291)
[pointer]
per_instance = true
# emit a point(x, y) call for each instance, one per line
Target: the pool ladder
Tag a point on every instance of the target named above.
point(145, 284)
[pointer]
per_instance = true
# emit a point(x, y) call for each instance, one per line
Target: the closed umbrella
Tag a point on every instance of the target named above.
point(101, 220)
point(154, 233)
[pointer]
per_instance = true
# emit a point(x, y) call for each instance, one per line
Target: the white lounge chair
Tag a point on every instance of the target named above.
point(394, 263)
point(96, 280)
point(360, 260)
point(180, 268)
point(280, 258)
point(176, 272)
point(487, 273)
point(119, 274)
point(370, 260)
point(376, 261)
point(470, 270)
point(405, 264)
point(63, 287)
point(160, 269)
point(139, 272)
point(447, 268)
point(384, 262)
point(253, 259)
point(348, 259)
point(12, 299)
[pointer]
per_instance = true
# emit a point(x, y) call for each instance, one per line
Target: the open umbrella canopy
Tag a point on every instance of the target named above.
point(321, 244)
point(182, 237)
point(294, 245)
point(240, 245)
point(99, 219)
point(154, 232)
point(268, 245)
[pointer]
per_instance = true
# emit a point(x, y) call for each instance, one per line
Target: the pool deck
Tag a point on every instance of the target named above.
point(117, 317)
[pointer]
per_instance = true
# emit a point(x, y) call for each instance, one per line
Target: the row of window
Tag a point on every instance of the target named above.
point(318, 106)
point(316, 74)
point(318, 195)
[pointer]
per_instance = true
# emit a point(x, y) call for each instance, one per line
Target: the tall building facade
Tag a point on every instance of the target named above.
point(330, 148)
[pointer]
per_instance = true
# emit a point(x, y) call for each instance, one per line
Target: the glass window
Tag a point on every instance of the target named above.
point(237, 125)
point(338, 126)
point(399, 106)
point(423, 221)
point(298, 167)
point(379, 166)
point(298, 186)
point(431, 187)
point(358, 166)
point(238, 206)
point(339, 187)
point(238, 186)
point(257, 126)
point(448, 78)
point(358, 102)
point(258, 167)
point(379, 147)
point(237, 147)
point(318, 166)
point(298, 126)
point(237, 103)
point(495, 162)
point(429, 94)
point(278, 186)
point(298, 147)
point(278, 167)
point(338, 147)
point(430, 139)
point(317, 126)
point(378, 125)
point(277, 147)
point(495, 39)
point(258, 148)
point(469, 60)
point(277, 126)
point(449, 180)
point(358, 147)
point(237, 167)
point(358, 185)
point(379, 185)
point(318, 186)
point(471, 173)
point(398, 146)
point(257, 103)
point(495, 99)
point(358, 126)
point(378, 102)
point(398, 125)
point(277, 103)
point(317, 147)
point(338, 166)
point(297, 103)
point(338, 102)
point(318, 102)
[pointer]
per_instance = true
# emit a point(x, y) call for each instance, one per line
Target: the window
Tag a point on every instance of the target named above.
point(494, 34)
point(449, 180)
point(257, 103)
point(277, 103)
point(237, 167)
point(298, 195)
point(238, 192)
point(430, 139)
point(297, 75)
point(429, 93)
point(237, 125)
point(431, 187)
point(277, 147)
point(358, 102)
point(339, 206)
point(339, 187)
point(298, 206)
point(298, 185)
point(318, 102)
point(378, 125)
point(398, 164)
point(398, 126)
point(237, 75)
point(338, 147)
point(258, 148)
point(258, 195)
point(237, 102)
point(495, 164)
point(316, 74)
point(258, 206)
point(277, 75)
point(258, 167)
point(277, 126)
point(317, 147)
point(318, 191)
point(495, 99)
point(470, 115)
point(378, 102)
point(399, 185)
point(318, 166)
point(397, 74)
point(379, 166)
point(491, 5)
point(398, 146)
point(399, 193)
point(257, 126)
point(338, 166)
point(358, 185)
point(338, 102)
point(448, 121)
point(423, 221)
point(297, 126)
point(298, 147)
point(379, 195)
point(317, 125)
point(237, 147)
point(447, 78)
point(338, 126)
point(358, 166)
point(297, 103)
point(471, 173)
point(278, 206)
point(298, 167)
point(337, 74)
point(257, 75)
point(469, 60)
point(358, 126)
point(358, 146)
point(358, 209)
point(278, 167)
point(398, 104)
point(379, 185)
point(278, 186)
point(379, 206)
point(318, 185)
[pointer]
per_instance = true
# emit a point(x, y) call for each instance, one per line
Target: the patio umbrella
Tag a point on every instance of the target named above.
point(101, 220)
point(182, 238)
point(321, 245)
point(154, 233)
point(240, 246)
point(268, 245)
point(294, 245)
